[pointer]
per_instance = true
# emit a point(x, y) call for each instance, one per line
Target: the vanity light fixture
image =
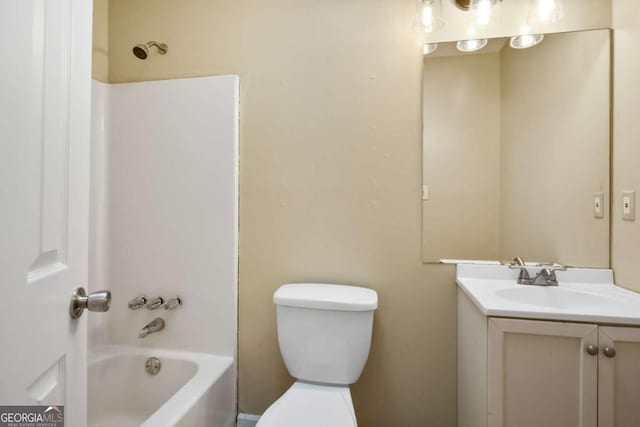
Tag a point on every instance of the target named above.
point(431, 16)
point(525, 41)
point(430, 48)
point(471, 45)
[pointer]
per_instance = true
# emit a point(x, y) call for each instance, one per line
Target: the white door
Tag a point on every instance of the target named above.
point(619, 377)
point(542, 374)
point(45, 76)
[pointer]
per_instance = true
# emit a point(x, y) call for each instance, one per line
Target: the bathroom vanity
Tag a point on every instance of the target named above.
point(552, 356)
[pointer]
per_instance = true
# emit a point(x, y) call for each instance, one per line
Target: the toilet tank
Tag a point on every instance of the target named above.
point(324, 330)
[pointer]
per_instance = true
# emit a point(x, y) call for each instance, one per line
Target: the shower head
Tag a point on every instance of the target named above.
point(141, 51)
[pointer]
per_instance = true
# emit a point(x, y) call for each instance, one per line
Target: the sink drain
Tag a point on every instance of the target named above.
point(152, 365)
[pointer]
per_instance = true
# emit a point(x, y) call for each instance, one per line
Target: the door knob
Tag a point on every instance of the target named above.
point(609, 351)
point(592, 349)
point(96, 301)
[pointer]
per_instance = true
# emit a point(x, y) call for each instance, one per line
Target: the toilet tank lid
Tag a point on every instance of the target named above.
point(323, 296)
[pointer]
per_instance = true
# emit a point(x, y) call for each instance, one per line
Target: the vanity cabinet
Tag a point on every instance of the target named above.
point(534, 373)
point(540, 374)
point(619, 377)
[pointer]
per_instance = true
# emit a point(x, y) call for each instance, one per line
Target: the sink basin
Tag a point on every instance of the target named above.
point(584, 295)
point(558, 298)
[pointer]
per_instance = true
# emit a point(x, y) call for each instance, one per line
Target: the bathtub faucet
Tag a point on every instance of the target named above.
point(156, 325)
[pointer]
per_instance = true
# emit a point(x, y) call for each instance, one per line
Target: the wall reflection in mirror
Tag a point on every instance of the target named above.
point(516, 151)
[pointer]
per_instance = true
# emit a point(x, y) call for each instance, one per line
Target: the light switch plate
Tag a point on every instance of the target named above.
point(425, 192)
point(629, 205)
point(598, 205)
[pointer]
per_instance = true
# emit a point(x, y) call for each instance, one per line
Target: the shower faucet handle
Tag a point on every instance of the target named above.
point(137, 303)
point(173, 303)
point(155, 303)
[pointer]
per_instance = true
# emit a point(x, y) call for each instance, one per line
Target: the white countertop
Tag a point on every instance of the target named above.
point(583, 295)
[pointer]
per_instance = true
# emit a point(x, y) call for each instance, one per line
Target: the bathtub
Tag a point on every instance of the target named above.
point(191, 389)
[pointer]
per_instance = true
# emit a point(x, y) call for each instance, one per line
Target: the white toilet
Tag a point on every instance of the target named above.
point(324, 332)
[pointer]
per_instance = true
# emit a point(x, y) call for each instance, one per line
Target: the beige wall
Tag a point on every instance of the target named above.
point(461, 157)
point(330, 178)
point(555, 149)
point(625, 249)
point(100, 66)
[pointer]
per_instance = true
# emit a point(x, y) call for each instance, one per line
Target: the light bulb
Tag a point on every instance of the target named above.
point(525, 41)
point(482, 9)
point(471, 45)
point(549, 10)
point(432, 15)
point(427, 15)
point(430, 48)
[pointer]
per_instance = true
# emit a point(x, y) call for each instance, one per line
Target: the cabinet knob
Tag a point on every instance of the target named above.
point(609, 352)
point(592, 349)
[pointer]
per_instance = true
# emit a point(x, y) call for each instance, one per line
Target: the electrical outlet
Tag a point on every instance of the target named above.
point(598, 205)
point(629, 205)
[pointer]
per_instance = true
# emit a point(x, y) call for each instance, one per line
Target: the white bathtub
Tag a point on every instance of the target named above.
point(191, 389)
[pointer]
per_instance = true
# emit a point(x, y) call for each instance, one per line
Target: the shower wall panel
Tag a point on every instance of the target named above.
point(172, 212)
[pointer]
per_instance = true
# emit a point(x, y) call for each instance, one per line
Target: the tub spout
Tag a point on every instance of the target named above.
point(155, 326)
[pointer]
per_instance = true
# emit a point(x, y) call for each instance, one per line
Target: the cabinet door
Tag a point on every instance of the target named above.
point(540, 374)
point(619, 377)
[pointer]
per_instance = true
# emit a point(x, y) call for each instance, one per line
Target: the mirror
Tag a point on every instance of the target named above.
point(516, 151)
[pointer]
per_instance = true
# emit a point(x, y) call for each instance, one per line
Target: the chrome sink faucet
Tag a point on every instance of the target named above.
point(545, 277)
point(156, 325)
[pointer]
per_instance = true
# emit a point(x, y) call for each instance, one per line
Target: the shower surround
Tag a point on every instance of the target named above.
point(165, 223)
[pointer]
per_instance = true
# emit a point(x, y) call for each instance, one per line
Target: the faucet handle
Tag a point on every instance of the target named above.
point(551, 266)
point(550, 270)
point(517, 262)
point(546, 277)
point(155, 303)
point(137, 303)
point(524, 277)
point(173, 303)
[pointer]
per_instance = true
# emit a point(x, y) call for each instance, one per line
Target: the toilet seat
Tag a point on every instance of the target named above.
point(311, 405)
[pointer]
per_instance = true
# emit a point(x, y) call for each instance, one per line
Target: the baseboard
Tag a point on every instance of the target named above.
point(247, 420)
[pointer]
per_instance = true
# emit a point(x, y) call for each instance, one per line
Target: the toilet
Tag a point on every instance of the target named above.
point(324, 333)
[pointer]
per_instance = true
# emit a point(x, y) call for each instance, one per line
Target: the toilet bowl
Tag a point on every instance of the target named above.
point(324, 333)
point(311, 405)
